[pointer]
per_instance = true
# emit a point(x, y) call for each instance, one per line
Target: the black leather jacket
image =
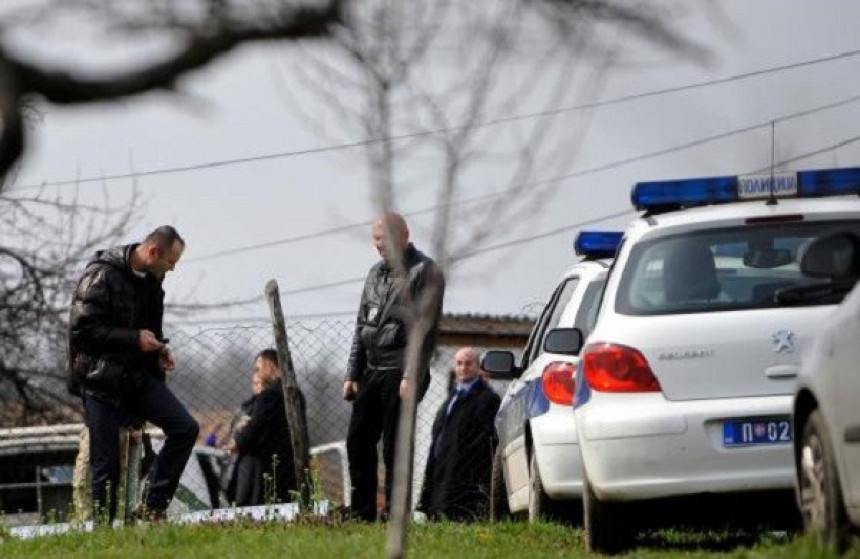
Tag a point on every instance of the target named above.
point(380, 335)
point(110, 306)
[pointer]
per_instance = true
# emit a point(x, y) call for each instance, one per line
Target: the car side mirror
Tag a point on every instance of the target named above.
point(500, 365)
point(566, 341)
point(835, 256)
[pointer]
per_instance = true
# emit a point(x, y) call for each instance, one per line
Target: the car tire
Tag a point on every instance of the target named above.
point(543, 508)
point(499, 508)
point(538, 500)
point(819, 493)
point(606, 528)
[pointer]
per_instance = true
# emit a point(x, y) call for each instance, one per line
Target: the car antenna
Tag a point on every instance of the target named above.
point(771, 201)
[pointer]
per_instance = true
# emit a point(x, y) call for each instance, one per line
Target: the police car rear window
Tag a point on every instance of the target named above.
point(718, 269)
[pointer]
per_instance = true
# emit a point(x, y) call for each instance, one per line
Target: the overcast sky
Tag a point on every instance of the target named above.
point(770, 60)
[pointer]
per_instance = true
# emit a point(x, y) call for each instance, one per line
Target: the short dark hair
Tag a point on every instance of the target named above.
point(269, 354)
point(164, 237)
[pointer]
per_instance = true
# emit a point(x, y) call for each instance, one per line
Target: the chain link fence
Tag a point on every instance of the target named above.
point(214, 376)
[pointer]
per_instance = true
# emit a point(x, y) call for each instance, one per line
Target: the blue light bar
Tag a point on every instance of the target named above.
point(828, 182)
point(684, 193)
point(597, 244)
point(662, 196)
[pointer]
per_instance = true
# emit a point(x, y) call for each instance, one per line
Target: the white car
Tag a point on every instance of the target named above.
point(685, 386)
point(537, 469)
point(827, 408)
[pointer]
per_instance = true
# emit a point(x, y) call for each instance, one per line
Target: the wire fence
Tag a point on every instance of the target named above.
point(214, 376)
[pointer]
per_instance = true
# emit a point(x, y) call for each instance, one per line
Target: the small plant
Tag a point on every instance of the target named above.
point(270, 487)
point(5, 534)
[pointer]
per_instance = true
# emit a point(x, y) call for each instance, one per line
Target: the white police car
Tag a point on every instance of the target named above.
point(827, 402)
point(686, 383)
point(537, 468)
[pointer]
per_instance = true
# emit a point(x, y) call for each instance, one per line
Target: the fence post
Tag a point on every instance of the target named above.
point(130, 471)
point(292, 395)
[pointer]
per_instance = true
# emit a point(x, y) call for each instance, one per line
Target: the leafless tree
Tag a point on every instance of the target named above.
point(45, 242)
point(427, 87)
point(169, 38)
point(424, 85)
point(172, 38)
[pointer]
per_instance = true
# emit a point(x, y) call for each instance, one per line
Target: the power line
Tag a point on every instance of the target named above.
point(808, 154)
point(258, 319)
point(584, 172)
point(491, 122)
point(545, 234)
point(565, 228)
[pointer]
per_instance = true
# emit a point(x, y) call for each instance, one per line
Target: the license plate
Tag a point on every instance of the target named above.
point(757, 431)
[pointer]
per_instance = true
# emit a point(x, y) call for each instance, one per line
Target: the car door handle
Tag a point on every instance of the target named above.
point(781, 371)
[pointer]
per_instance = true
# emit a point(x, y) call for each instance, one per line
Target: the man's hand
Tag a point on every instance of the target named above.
point(404, 388)
point(165, 360)
point(147, 341)
point(350, 389)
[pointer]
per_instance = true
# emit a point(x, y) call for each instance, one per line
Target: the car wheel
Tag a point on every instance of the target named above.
point(538, 500)
point(499, 509)
point(821, 504)
point(606, 527)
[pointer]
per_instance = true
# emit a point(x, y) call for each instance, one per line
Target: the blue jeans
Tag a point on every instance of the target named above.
point(149, 399)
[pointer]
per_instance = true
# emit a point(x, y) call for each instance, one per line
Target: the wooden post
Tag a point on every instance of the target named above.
point(425, 310)
point(292, 396)
point(131, 453)
point(401, 492)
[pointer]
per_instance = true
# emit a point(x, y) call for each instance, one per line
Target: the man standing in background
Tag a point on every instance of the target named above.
point(397, 287)
point(457, 479)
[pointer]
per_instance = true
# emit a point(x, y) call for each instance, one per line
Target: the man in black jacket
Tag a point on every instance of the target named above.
point(266, 437)
point(459, 465)
point(405, 287)
point(118, 359)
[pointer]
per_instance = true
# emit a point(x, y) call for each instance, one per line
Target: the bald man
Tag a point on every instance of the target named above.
point(457, 479)
point(404, 280)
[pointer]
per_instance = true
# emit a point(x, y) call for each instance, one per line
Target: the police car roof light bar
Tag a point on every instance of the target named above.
point(597, 244)
point(661, 196)
point(675, 194)
point(828, 182)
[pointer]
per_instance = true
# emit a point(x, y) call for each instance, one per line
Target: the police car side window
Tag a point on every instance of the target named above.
point(533, 335)
point(555, 309)
point(586, 316)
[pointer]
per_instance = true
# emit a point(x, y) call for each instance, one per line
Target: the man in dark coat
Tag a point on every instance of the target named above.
point(459, 466)
point(118, 360)
point(401, 289)
point(266, 436)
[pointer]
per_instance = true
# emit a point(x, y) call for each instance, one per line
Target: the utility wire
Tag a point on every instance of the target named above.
point(259, 319)
point(808, 154)
point(565, 228)
point(591, 170)
point(491, 122)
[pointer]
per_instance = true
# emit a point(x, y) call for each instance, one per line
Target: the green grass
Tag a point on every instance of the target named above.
point(353, 541)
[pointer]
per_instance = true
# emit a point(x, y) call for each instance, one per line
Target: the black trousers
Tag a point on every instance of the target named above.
point(375, 414)
point(149, 399)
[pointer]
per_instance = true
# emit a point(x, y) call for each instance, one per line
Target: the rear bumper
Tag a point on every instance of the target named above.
point(642, 446)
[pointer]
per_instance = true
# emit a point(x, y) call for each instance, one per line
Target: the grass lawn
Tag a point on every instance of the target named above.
point(353, 541)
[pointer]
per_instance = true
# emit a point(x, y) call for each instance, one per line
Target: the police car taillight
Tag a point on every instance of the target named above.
point(617, 368)
point(557, 382)
point(676, 194)
point(597, 244)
